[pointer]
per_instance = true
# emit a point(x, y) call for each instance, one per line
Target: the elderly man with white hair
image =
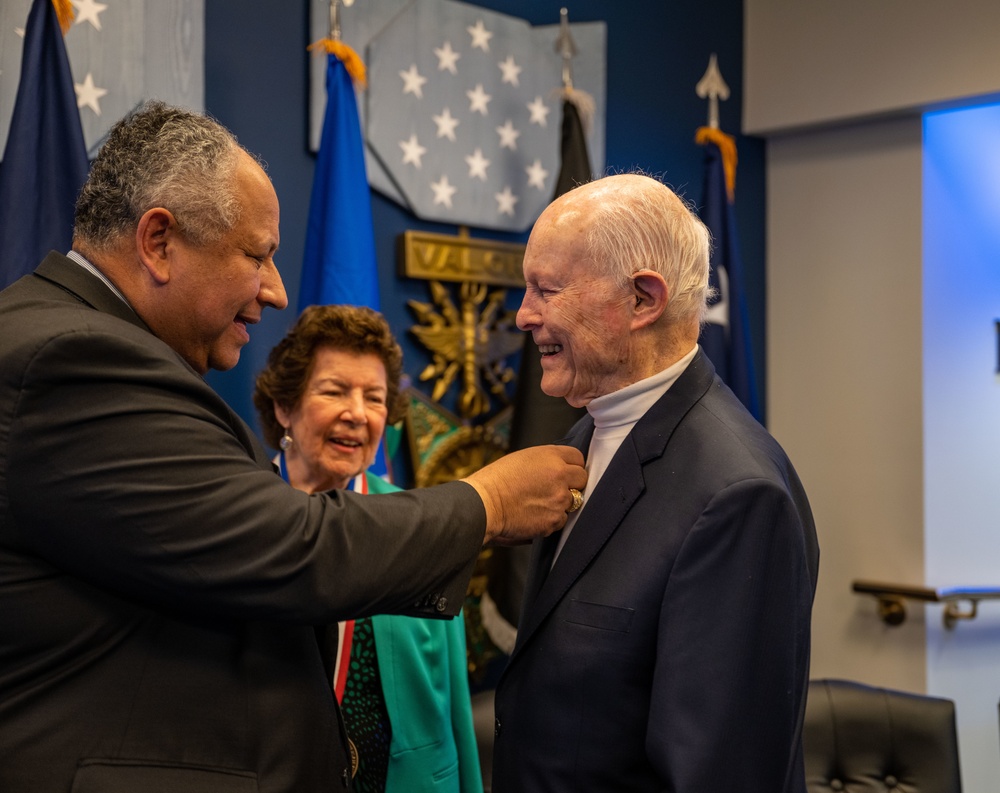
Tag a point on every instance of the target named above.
point(664, 643)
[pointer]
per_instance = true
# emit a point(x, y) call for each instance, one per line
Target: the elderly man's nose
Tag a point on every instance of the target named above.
point(527, 316)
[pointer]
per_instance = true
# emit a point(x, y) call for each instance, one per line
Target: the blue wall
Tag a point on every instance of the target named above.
point(256, 83)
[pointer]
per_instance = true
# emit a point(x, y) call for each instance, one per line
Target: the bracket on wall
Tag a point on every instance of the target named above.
point(891, 599)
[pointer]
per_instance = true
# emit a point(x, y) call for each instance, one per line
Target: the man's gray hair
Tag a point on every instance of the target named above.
point(161, 156)
point(644, 225)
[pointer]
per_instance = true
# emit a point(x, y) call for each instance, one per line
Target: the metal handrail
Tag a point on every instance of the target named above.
point(891, 600)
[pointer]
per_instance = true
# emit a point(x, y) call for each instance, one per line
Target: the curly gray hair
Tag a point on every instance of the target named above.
point(161, 156)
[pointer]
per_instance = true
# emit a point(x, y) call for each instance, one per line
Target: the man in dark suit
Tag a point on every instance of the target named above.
point(158, 581)
point(664, 641)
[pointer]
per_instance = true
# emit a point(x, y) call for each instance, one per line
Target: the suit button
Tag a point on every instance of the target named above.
point(442, 604)
point(891, 781)
point(836, 784)
point(496, 728)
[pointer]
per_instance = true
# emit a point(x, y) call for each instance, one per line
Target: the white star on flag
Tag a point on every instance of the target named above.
point(505, 201)
point(536, 175)
point(477, 165)
point(480, 36)
point(478, 100)
point(508, 136)
point(539, 112)
point(412, 150)
point(122, 52)
point(510, 70)
point(447, 57)
point(87, 11)
point(413, 82)
point(87, 94)
point(485, 119)
point(443, 191)
point(446, 124)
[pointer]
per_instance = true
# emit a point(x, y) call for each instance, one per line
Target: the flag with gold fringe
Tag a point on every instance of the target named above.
point(339, 261)
point(725, 338)
point(339, 264)
point(45, 159)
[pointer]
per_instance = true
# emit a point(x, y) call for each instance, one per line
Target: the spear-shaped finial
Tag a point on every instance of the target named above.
point(566, 48)
point(712, 87)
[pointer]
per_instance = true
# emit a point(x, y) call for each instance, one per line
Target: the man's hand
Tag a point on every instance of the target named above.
point(527, 493)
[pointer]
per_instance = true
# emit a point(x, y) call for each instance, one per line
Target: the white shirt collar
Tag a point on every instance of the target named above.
point(90, 268)
point(627, 405)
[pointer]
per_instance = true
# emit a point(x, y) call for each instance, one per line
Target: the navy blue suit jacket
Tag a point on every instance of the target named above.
point(668, 647)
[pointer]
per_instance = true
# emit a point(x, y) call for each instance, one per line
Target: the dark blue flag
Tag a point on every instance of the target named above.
point(726, 335)
point(45, 161)
point(339, 263)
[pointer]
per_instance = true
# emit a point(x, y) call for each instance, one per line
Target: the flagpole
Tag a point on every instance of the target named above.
point(725, 337)
point(566, 48)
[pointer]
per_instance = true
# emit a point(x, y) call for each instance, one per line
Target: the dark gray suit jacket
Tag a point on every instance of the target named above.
point(158, 581)
point(668, 648)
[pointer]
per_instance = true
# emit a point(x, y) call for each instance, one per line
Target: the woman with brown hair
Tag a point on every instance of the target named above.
point(324, 398)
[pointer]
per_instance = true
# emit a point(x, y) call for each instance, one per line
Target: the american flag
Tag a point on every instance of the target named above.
point(121, 52)
point(462, 110)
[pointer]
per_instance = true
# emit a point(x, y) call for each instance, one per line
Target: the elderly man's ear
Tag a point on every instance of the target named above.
point(651, 295)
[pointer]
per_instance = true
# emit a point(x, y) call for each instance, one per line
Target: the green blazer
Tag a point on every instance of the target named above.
point(426, 687)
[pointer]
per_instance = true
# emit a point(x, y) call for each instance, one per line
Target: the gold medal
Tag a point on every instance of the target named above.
point(354, 758)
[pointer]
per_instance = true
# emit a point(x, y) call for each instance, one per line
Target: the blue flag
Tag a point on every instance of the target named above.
point(339, 263)
point(726, 336)
point(45, 160)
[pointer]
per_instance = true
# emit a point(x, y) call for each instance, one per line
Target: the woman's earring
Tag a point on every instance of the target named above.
point(286, 441)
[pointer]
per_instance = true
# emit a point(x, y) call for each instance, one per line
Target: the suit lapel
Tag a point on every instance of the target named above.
point(544, 550)
point(74, 279)
point(90, 290)
point(608, 505)
point(614, 495)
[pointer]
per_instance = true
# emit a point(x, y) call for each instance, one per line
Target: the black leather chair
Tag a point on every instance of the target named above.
point(862, 739)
